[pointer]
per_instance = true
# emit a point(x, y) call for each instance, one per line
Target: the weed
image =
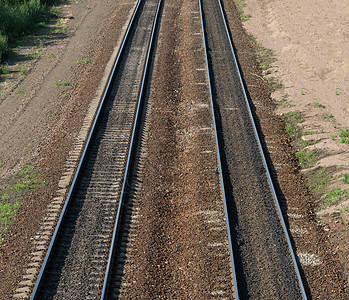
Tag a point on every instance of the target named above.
point(59, 22)
point(302, 144)
point(346, 178)
point(328, 116)
point(308, 159)
point(22, 71)
point(240, 4)
point(62, 83)
point(4, 69)
point(302, 92)
point(344, 135)
point(31, 56)
point(85, 61)
point(332, 197)
point(337, 92)
point(308, 132)
point(7, 212)
point(64, 95)
point(292, 119)
point(319, 105)
point(245, 18)
point(60, 30)
point(319, 181)
point(41, 45)
point(283, 101)
point(20, 90)
point(27, 179)
point(274, 85)
point(18, 18)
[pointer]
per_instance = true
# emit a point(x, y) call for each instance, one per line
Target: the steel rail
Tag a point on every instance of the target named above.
point(301, 285)
point(219, 158)
point(130, 155)
point(72, 188)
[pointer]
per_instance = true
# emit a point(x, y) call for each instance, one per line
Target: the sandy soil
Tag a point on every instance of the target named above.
point(311, 47)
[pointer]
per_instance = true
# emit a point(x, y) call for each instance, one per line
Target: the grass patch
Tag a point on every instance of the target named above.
point(62, 83)
point(328, 116)
point(4, 69)
point(332, 197)
point(32, 56)
point(344, 135)
point(17, 18)
point(274, 84)
point(308, 159)
point(346, 178)
point(85, 61)
point(319, 105)
point(60, 30)
point(292, 119)
point(319, 181)
point(7, 212)
point(11, 196)
point(240, 5)
point(22, 71)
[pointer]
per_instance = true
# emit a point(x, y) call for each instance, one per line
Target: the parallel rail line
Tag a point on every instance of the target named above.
point(241, 289)
point(102, 175)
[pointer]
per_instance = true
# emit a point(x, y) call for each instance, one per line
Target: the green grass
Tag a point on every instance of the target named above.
point(85, 61)
point(7, 212)
point(274, 84)
point(4, 69)
point(328, 116)
point(344, 135)
point(32, 56)
point(22, 71)
point(11, 196)
point(17, 18)
point(308, 159)
point(346, 178)
point(319, 105)
point(319, 181)
point(292, 119)
point(60, 30)
point(240, 5)
point(332, 197)
point(62, 83)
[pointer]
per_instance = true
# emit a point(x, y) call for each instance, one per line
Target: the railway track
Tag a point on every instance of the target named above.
point(92, 246)
point(80, 262)
point(264, 263)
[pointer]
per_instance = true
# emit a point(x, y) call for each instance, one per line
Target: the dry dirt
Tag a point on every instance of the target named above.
point(311, 47)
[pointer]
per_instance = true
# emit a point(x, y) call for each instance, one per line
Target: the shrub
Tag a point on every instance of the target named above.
point(17, 17)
